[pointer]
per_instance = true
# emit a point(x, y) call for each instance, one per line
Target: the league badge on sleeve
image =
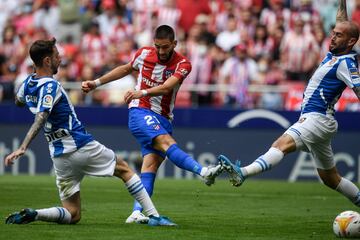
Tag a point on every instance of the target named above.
point(354, 75)
point(47, 101)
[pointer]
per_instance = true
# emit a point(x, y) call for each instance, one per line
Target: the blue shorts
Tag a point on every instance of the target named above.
point(145, 125)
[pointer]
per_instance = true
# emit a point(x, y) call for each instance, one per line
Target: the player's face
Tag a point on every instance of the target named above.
point(339, 39)
point(55, 61)
point(164, 49)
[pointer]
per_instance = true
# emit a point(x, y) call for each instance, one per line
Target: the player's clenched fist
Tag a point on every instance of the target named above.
point(130, 95)
point(13, 156)
point(87, 86)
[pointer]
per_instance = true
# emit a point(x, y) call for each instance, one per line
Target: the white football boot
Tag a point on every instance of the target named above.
point(137, 217)
point(211, 173)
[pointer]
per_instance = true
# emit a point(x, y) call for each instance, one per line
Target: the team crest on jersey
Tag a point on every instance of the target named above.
point(156, 127)
point(333, 60)
point(183, 72)
point(48, 101)
point(49, 88)
point(168, 73)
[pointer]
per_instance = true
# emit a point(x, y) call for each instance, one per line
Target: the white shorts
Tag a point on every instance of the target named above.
point(92, 159)
point(313, 133)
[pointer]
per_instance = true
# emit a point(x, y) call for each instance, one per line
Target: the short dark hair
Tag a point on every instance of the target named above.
point(165, 32)
point(41, 49)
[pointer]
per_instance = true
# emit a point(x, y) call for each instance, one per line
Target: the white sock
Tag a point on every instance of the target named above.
point(349, 190)
point(137, 190)
point(203, 171)
point(263, 163)
point(54, 214)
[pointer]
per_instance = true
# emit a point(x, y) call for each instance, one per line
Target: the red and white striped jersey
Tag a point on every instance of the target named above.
point(153, 73)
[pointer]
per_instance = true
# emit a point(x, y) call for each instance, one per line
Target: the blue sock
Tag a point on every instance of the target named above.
point(147, 179)
point(182, 159)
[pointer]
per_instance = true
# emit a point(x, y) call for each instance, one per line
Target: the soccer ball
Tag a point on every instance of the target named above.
point(347, 224)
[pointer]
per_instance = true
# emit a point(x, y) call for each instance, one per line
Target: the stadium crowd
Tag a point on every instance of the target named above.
point(244, 53)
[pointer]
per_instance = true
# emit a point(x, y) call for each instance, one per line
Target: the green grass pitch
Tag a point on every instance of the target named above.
point(257, 210)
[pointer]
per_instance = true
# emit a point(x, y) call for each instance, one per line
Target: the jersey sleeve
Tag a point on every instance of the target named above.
point(182, 70)
point(49, 95)
point(136, 61)
point(348, 73)
point(20, 95)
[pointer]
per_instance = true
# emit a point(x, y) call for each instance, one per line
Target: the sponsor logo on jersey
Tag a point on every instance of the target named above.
point(60, 133)
point(30, 98)
point(47, 101)
point(149, 83)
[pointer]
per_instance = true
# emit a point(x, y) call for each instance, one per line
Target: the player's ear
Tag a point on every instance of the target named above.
point(175, 43)
point(352, 42)
point(46, 60)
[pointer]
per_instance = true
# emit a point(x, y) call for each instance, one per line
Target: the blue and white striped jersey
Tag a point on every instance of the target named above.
point(328, 82)
point(63, 130)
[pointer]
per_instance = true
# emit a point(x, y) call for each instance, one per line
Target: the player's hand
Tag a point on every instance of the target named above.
point(88, 86)
point(130, 95)
point(9, 159)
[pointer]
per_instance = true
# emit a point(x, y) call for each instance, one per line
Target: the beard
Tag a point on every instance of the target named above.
point(167, 58)
point(54, 69)
point(337, 50)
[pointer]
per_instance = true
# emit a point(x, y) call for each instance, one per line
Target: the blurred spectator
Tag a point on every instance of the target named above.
point(93, 47)
point(8, 8)
point(190, 10)
point(46, 16)
point(271, 15)
point(169, 14)
point(328, 14)
point(262, 43)
point(356, 14)
point(108, 19)
point(69, 24)
point(272, 99)
point(230, 37)
point(299, 52)
point(238, 72)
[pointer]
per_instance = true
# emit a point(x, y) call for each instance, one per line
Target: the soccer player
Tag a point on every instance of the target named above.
point(316, 126)
point(161, 70)
point(74, 152)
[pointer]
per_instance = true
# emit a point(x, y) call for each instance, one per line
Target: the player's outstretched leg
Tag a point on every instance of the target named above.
point(236, 175)
point(160, 221)
point(25, 216)
point(185, 161)
point(54, 214)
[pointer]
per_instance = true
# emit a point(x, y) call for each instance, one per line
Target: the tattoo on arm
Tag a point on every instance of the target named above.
point(357, 91)
point(39, 122)
point(341, 14)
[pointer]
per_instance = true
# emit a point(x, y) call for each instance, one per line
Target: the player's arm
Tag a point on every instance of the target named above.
point(163, 89)
point(357, 91)
point(115, 74)
point(341, 14)
point(40, 120)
